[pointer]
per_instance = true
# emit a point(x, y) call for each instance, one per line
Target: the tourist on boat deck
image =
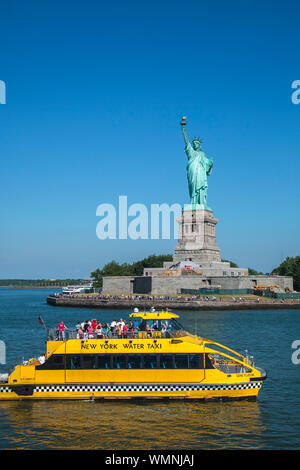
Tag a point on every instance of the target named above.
point(42, 358)
point(61, 331)
point(119, 330)
point(99, 331)
point(122, 323)
point(113, 326)
point(164, 327)
point(80, 333)
point(148, 330)
point(131, 329)
point(125, 330)
point(105, 330)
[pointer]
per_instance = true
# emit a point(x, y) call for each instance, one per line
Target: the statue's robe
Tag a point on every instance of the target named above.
point(198, 168)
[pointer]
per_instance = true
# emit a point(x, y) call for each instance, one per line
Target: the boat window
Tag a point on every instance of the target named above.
point(75, 361)
point(196, 361)
point(181, 361)
point(134, 361)
point(226, 364)
point(222, 350)
point(104, 361)
point(156, 325)
point(120, 361)
point(142, 325)
point(175, 325)
point(208, 361)
point(88, 361)
point(56, 361)
point(166, 361)
point(150, 361)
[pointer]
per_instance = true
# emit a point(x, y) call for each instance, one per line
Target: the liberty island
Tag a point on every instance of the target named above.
point(197, 265)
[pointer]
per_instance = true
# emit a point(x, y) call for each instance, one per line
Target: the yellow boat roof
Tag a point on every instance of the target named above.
point(154, 315)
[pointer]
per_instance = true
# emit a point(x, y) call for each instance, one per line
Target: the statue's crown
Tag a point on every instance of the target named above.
point(196, 139)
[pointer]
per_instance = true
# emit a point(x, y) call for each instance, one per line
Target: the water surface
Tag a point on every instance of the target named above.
point(272, 422)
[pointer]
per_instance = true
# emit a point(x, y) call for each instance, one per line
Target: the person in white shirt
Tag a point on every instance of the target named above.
point(42, 359)
point(122, 323)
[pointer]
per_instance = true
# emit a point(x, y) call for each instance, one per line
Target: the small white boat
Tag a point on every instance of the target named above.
point(80, 289)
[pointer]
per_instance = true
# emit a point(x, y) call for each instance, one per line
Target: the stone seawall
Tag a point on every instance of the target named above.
point(146, 304)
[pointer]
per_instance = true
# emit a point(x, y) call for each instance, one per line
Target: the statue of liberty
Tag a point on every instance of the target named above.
point(198, 168)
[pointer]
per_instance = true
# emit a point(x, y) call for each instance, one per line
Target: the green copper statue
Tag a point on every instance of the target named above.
point(198, 168)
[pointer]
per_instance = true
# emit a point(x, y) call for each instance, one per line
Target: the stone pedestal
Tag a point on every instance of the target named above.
point(197, 236)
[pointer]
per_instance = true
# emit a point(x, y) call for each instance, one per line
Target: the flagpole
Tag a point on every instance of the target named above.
point(41, 322)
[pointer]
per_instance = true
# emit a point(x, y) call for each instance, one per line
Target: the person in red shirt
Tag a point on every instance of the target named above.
point(61, 331)
point(125, 330)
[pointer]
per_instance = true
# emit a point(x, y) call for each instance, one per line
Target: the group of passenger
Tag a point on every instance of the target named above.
point(116, 329)
point(95, 329)
point(90, 329)
point(173, 298)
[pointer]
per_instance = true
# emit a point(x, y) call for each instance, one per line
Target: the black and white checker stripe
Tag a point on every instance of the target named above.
point(5, 390)
point(144, 388)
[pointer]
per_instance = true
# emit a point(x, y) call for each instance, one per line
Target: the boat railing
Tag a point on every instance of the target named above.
point(70, 333)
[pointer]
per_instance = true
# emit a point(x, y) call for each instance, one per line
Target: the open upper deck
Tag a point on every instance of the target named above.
point(141, 325)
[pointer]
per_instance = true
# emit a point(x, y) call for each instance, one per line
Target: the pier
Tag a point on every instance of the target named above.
point(183, 303)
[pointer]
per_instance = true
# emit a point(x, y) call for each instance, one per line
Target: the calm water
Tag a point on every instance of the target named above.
point(273, 422)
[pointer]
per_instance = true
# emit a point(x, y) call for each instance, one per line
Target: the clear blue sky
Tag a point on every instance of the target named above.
point(95, 93)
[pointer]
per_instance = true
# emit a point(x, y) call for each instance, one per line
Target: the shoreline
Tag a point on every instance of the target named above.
point(142, 304)
point(33, 287)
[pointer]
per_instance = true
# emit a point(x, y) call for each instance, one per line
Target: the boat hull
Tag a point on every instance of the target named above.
point(231, 391)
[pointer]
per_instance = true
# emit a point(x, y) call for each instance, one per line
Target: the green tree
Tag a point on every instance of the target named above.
point(290, 267)
point(232, 264)
point(253, 272)
point(113, 268)
point(97, 278)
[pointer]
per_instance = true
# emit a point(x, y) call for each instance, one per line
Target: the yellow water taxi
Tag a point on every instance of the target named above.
point(159, 360)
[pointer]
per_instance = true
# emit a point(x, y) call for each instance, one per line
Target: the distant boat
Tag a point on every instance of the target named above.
point(79, 289)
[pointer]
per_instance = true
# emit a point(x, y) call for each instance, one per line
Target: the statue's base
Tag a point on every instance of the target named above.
point(196, 207)
point(197, 235)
